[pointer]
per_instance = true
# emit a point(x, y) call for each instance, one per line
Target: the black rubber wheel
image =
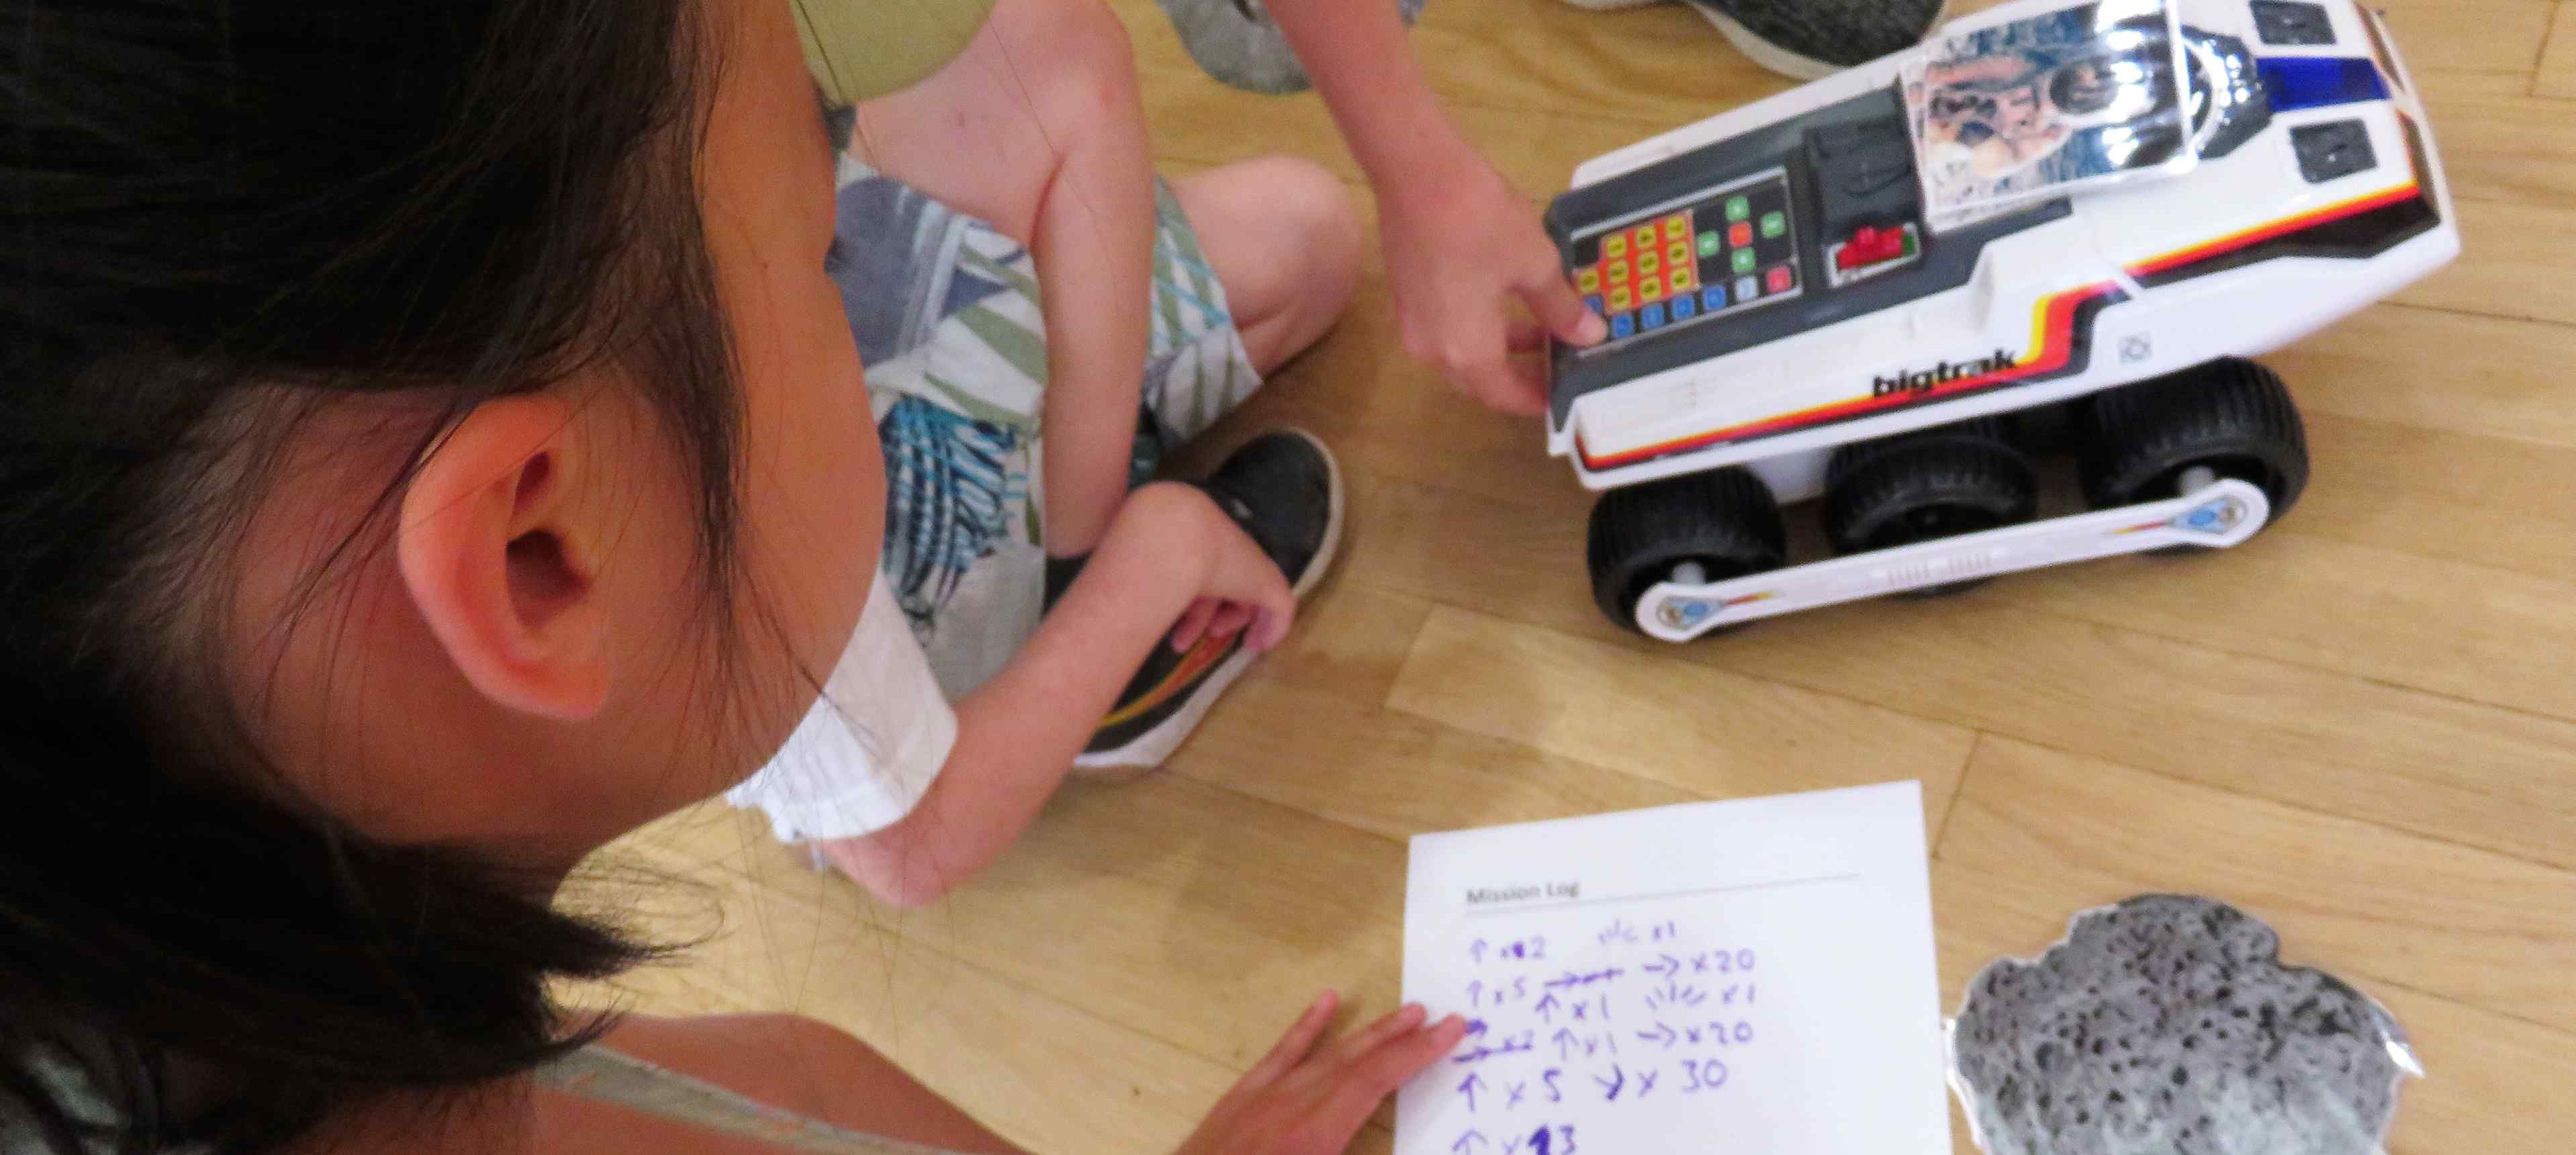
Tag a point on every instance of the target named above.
point(1917, 487)
point(2232, 416)
point(1725, 520)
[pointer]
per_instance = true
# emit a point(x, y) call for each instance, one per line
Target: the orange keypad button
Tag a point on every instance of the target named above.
point(1741, 234)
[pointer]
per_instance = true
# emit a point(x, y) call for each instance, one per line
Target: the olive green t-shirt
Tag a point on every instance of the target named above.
point(863, 49)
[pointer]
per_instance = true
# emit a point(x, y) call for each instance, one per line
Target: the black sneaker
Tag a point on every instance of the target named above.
point(1285, 490)
point(1810, 39)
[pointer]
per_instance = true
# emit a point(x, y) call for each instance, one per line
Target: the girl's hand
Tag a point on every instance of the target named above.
point(1462, 247)
point(1305, 1100)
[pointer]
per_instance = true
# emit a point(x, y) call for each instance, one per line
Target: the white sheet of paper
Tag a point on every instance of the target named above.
point(1725, 978)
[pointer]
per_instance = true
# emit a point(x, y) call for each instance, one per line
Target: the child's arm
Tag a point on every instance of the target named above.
point(1168, 548)
point(1461, 243)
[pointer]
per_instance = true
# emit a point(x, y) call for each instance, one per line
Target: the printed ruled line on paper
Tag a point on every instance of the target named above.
point(1784, 884)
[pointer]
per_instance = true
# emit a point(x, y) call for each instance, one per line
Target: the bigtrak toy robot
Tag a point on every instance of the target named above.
point(1879, 292)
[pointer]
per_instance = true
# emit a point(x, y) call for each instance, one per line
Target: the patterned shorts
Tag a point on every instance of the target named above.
point(945, 309)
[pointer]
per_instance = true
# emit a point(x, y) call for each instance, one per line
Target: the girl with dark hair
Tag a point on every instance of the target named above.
point(432, 446)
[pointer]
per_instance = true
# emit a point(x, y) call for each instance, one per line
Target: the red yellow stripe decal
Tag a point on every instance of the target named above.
point(1208, 652)
point(2280, 228)
point(2052, 343)
point(2052, 338)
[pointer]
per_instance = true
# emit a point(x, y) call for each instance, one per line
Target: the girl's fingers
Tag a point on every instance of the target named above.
point(1378, 1072)
point(1350, 1048)
point(1294, 1046)
point(1524, 337)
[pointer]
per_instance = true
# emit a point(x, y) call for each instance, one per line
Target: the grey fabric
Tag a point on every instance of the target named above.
point(1238, 43)
point(2168, 1025)
point(1840, 33)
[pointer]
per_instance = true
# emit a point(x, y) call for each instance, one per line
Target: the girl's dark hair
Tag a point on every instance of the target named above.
point(214, 216)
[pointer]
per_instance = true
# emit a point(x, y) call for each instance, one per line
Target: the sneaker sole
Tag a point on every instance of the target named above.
point(1775, 58)
point(1151, 748)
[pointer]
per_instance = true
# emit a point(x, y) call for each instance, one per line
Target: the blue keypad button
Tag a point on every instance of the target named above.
point(1684, 306)
point(1713, 298)
point(1747, 288)
point(1651, 316)
point(1623, 325)
point(1593, 303)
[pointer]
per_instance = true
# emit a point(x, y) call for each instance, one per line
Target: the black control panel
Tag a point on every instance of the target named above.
point(1798, 225)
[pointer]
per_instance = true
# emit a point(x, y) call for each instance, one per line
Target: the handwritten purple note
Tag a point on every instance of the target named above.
point(1749, 977)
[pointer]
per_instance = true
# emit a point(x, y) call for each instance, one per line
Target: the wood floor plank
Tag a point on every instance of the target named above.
point(2426, 623)
point(1706, 730)
point(1043, 1071)
point(2557, 75)
point(1201, 915)
point(2444, 767)
point(2499, 142)
point(2511, 263)
point(2491, 1076)
point(2038, 827)
point(1392, 773)
point(2484, 500)
point(2438, 370)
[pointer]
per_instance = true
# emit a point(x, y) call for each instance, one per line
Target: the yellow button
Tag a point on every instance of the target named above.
point(1618, 272)
point(1645, 236)
point(1682, 280)
point(1676, 228)
point(1614, 245)
point(1651, 290)
point(1648, 262)
point(1678, 253)
point(1619, 299)
point(1588, 280)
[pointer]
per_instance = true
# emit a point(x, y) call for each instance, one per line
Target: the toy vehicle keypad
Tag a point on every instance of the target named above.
point(1724, 252)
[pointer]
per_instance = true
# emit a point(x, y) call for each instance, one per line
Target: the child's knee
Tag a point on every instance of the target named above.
point(1076, 53)
point(1314, 207)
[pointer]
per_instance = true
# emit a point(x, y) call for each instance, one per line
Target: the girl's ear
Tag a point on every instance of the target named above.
point(495, 556)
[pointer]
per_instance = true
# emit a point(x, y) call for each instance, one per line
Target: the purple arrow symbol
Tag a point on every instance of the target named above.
point(1546, 1008)
point(1467, 1142)
point(1469, 1089)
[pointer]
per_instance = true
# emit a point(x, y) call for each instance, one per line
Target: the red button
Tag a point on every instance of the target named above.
point(1870, 247)
point(1778, 280)
point(1741, 235)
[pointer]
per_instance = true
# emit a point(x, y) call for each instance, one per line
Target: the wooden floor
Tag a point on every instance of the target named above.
point(2361, 727)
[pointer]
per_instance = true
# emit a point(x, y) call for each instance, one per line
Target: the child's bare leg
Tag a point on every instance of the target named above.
point(1037, 129)
point(1284, 241)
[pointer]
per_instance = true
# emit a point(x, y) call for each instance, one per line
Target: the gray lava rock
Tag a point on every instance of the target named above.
point(2168, 1024)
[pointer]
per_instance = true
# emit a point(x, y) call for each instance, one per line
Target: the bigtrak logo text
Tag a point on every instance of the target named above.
point(1926, 380)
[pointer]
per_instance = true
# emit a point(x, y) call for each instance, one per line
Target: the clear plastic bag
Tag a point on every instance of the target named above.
point(2011, 113)
point(2168, 1024)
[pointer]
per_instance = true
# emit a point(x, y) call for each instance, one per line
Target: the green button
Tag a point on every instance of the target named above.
point(1710, 243)
point(1739, 208)
point(1744, 261)
point(1775, 225)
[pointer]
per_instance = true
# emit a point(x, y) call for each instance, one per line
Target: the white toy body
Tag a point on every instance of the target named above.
point(2272, 239)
